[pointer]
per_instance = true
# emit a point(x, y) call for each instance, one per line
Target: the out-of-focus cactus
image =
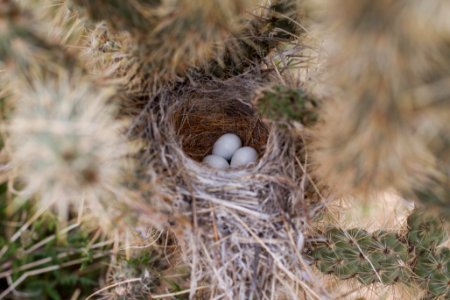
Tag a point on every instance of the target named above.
point(281, 103)
point(57, 20)
point(135, 16)
point(388, 72)
point(22, 51)
point(169, 37)
point(63, 134)
point(413, 257)
point(279, 23)
point(66, 143)
point(435, 194)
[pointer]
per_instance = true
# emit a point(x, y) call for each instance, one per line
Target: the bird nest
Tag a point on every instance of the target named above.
point(198, 123)
point(240, 230)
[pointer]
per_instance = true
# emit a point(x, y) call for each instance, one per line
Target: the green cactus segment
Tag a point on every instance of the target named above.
point(388, 246)
point(356, 253)
point(282, 103)
point(387, 257)
point(433, 270)
point(439, 285)
point(425, 232)
point(433, 264)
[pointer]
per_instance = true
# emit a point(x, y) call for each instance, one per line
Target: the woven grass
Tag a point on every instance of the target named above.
point(202, 118)
point(241, 231)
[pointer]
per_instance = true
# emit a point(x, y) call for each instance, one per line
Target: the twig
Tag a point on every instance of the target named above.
point(162, 296)
point(25, 276)
point(112, 285)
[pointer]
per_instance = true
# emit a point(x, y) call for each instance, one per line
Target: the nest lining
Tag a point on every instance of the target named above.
point(199, 122)
point(243, 237)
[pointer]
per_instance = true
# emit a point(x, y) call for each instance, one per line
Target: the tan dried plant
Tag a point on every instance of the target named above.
point(67, 145)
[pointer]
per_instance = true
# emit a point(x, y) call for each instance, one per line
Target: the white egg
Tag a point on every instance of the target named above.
point(243, 157)
point(226, 145)
point(216, 162)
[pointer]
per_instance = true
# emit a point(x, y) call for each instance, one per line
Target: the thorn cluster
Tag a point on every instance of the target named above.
point(389, 257)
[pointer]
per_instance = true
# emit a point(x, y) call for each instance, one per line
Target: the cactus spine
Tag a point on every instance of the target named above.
point(389, 257)
point(396, 62)
point(63, 123)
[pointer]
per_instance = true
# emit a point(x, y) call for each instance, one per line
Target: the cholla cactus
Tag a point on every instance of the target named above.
point(22, 51)
point(388, 257)
point(388, 62)
point(66, 143)
point(65, 140)
point(168, 37)
point(385, 127)
point(435, 194)
point(282, 103)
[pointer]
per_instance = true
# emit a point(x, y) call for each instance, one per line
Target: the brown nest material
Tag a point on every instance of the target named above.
point(241, 231)
point(199, 123)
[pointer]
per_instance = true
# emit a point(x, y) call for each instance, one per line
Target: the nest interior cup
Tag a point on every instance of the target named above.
point(200, 122)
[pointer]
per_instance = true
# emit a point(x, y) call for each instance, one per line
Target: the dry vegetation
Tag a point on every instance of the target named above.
point(108, 106)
